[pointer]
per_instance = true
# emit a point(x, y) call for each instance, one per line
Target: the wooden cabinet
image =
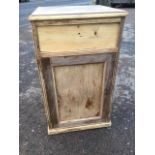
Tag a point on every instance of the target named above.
point(77, 50)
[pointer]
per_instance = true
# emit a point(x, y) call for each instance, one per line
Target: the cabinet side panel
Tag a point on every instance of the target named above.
point(50, 90)
point(110, 77)
point(112, 65)
point(40, 73)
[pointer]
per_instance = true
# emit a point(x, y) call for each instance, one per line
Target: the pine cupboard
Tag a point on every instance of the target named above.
point(77, 52)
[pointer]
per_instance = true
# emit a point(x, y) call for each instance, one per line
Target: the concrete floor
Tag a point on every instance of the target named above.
point(116, 140)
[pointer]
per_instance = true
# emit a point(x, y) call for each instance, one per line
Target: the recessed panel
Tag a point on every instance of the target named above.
point(79, 91)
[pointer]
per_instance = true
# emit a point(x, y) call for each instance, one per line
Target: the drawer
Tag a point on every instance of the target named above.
point(58, 39)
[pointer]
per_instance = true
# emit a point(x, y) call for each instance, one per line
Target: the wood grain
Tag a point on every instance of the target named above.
point(50, 90)
point(77, 58)
point(77, 53)
point(57, 39)
point(79, 91)
point(120, 33)
point(75, 12)
point(76, 122)
point(77, 21)
point(80, 59)
point(78, 128)
point(110, 15)
point(109, 86)
point(112, 66)
point(40, 73)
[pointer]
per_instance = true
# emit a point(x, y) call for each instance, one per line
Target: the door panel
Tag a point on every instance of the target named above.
point(79, 90)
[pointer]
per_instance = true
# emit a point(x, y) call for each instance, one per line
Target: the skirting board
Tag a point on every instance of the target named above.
point(78, 128)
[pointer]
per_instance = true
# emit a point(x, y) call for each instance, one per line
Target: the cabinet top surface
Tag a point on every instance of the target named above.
point(67, 12)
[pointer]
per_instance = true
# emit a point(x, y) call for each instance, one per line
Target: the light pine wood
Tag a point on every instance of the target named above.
point(110, 77)
point(78, 128)
point(77, 52)
point(80, 59)
point(40, 73)
point(76, 122)
point(50, 90)
point(79, 91)
point(42, 18)
point(75, 12)
point(59, 39)
point(77, 21)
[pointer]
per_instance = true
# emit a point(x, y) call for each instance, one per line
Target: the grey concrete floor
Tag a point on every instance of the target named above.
point(116, 140)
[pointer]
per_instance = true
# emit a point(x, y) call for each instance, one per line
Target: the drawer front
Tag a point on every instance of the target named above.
point(78, 38)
